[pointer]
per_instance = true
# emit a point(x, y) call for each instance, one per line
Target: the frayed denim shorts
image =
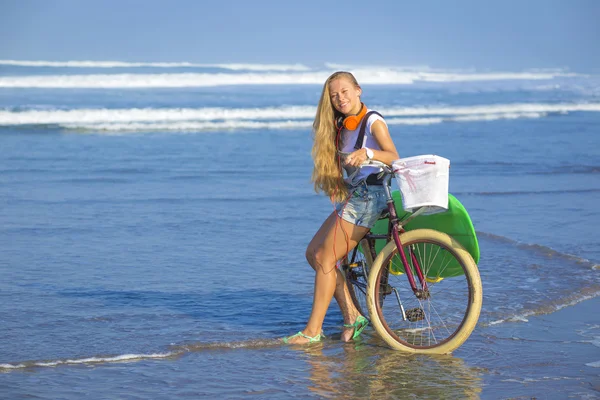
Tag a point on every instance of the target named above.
point(364, 206)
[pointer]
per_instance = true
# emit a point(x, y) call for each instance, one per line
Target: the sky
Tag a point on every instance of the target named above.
point(461, 34)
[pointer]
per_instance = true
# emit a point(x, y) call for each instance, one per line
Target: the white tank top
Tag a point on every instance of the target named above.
point(348, 140)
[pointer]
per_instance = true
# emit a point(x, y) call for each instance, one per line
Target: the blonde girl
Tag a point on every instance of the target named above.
point(338, 153)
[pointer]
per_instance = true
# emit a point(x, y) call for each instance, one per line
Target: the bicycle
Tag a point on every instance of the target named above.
point(422, 291)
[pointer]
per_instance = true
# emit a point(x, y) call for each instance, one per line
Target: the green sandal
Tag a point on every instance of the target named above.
point(314, 339)
point(359, 325)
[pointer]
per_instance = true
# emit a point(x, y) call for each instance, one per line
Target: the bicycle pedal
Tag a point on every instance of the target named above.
point(415, 314)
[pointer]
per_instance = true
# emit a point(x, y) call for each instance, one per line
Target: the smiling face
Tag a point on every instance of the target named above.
point(345, 95)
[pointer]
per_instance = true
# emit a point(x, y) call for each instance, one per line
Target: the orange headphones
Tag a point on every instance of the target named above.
point(351, 121)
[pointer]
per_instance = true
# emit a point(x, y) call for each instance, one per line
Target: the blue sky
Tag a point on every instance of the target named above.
point(480, 34)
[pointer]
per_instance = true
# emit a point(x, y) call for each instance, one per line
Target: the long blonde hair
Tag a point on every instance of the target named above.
point(327, 172)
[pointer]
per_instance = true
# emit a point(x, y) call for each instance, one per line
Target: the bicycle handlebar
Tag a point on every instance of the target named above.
point(372, 163)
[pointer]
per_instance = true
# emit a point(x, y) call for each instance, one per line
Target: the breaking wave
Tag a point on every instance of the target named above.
point(284, 117)
point(123, 64)
point(244, 74)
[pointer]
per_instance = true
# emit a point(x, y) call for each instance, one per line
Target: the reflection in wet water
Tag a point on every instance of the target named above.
point(362, 370)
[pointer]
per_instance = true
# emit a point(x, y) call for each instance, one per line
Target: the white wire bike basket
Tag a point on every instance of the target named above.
point(423, 182)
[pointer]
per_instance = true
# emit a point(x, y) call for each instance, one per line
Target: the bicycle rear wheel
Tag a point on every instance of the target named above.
point(443, 317)
point(357, 273)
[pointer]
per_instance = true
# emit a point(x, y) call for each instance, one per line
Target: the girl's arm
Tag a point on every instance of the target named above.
point(388, 152)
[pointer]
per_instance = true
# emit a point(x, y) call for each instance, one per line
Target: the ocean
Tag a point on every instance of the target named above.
point(154, 219)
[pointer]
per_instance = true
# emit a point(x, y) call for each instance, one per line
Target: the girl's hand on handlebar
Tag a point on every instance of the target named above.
point(356, 158)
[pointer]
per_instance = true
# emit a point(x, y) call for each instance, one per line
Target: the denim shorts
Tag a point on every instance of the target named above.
point(364, 206)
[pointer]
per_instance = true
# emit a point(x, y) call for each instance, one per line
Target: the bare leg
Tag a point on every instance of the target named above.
point(349, 311)
point(331, 242)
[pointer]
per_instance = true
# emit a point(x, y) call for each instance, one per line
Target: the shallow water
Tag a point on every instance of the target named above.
point(161, 264)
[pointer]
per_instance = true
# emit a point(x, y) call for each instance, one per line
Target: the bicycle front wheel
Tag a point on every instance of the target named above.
point(436, 320)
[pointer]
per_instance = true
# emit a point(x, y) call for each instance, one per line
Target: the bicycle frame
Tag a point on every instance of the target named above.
point(372, 279)
point(394, 230)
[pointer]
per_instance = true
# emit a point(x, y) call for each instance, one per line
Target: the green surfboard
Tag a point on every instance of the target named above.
point(455, 222)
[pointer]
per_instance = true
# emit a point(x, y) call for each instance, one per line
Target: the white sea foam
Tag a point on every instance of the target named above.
point(176, 350)
point(289, 124)
point(426, 68)
point(188, 126)
point(491, 109)
point(596, 341)
point(122, 64)
point(514, 318)
point(545, 310)
point(98, 81)
point(89, 360)
point(467, 118)
point(390, 76)
point(284, 112)
point(152, 114)
point(372, 73)
point(284, 117)
point(594, 364)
